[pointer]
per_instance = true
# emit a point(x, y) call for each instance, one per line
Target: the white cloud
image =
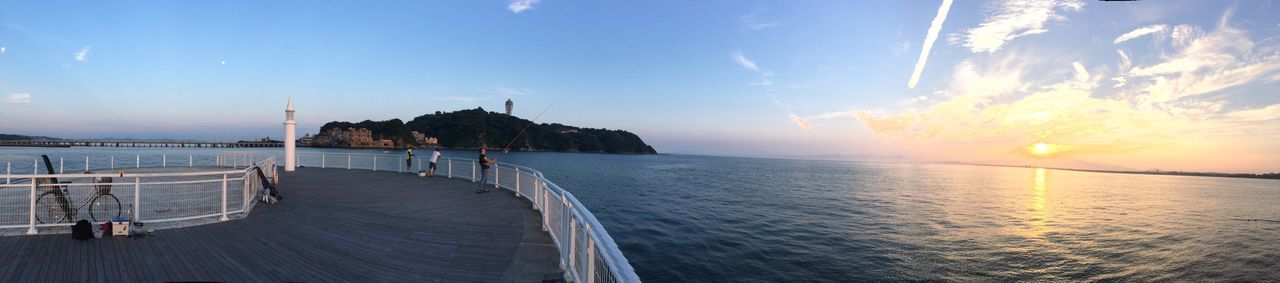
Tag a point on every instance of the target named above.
point(517, 6)
point(18, 98)
point(1125, 62)
point(758, 26)
point(1, 49)
point(223, 62)
point(743, 61)
point(1204, 63)
point(800, 121)
point(83, 54)
point(1012, 20)
point(765, 75)
point(929, 38)
point(1183, 34)
point(1082, 74)
point(1140, 32)
point(766, 79)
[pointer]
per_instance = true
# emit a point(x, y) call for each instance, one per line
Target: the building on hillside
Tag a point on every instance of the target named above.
point(509, 106)
point(307, 140)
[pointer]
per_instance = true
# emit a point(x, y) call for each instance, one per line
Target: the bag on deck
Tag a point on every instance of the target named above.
point(82, 231)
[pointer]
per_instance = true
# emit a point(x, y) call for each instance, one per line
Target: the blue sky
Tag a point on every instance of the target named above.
point(753, 78)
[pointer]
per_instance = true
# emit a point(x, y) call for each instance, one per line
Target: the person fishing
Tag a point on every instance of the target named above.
point(431, 167)
point(408, 160)
point(484, 161)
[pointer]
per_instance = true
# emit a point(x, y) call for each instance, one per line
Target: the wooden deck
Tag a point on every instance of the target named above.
point(333, 225)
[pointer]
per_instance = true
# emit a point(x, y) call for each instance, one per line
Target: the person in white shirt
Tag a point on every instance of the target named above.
point(431, 169)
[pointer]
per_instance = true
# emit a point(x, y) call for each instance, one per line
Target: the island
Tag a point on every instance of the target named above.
point(474, 128)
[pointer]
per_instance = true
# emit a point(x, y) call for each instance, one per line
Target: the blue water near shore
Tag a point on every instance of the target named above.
point(684, 218)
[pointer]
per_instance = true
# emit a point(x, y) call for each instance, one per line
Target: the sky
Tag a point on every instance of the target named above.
point(1171, 85)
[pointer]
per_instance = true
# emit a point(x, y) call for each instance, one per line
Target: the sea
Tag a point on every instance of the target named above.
point(688, 218)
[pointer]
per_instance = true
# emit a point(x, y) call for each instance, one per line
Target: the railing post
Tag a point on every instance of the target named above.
point(473, 172)
point(59, 165)
point(517, 181)
point(542, 188)
point(137, 199)
point(399, 168)
point(137, 161)
point(591, 254)
point(573, 244)
point(31, 213)
point(495, 176)
point(113, 162)
point(86, 163)
point(564, 228)
point(224, 197)
point(190, 160)
point(164, 160)
point(348, 161)
point(450, 165)
point(8, 170)
point(322, 160)
point(375, 163)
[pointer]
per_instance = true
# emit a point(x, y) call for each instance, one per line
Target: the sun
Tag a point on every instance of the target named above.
point(1041, 149)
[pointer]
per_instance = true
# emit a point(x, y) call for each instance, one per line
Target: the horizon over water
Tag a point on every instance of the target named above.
point(732, 219)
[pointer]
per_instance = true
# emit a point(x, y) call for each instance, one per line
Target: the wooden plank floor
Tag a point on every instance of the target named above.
point(333, 225)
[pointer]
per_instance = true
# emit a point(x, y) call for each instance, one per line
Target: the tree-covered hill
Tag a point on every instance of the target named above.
point(476, 127)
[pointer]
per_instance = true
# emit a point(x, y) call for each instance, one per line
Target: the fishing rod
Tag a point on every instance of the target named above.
point(526, 127)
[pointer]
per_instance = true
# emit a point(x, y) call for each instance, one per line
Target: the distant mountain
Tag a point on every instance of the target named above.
point(8, 137)
point(473, 128)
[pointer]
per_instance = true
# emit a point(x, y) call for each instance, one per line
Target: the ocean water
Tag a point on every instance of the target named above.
point(681, 218)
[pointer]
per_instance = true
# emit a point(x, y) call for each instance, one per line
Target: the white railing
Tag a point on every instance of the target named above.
point(587, 252)
point(224, 189)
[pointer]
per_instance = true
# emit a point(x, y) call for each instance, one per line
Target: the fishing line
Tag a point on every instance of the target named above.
point(504, 149)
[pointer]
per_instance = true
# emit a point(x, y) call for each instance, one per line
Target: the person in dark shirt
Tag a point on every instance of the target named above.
point(484, 169)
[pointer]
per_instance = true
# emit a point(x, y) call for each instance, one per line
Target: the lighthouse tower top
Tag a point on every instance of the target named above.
point(288, 110)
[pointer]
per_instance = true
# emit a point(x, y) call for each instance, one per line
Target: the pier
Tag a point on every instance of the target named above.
point(111, 143)
point(333, 225)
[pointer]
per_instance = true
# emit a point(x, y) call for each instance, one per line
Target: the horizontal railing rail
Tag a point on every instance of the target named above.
point(587, 252)
point(224, 190)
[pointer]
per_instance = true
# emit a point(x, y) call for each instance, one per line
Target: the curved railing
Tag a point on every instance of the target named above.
point(223, 188)
point(587, 252)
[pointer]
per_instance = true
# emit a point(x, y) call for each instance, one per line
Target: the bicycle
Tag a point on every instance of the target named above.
point(56, 206)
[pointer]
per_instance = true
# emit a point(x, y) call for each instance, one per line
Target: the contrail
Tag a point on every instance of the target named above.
point(928, 41)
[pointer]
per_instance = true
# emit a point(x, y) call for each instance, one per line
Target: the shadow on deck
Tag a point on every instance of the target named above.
point(333, 225)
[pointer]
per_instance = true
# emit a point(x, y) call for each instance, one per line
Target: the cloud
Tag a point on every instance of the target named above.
point(1204, 63)
point(929, 38)
point(743, 61)
point(800, 121)
point(1140, 32)
point(766, 79)
point(1013, 19)
point(18, 98)
point(2, 49)
point(222, 62)
point(517, 6)
point(83, 54)
point(758, 26)
point(766, 76)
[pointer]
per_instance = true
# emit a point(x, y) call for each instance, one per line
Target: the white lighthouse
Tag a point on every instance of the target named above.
point(290, 135)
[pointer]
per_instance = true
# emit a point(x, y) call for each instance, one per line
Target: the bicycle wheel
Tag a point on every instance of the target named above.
point(49, 209)
point(104, 207)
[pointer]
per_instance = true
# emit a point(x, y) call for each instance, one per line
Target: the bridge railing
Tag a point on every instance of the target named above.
point(587, 252)
point(221, 192)
point(79, 163)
